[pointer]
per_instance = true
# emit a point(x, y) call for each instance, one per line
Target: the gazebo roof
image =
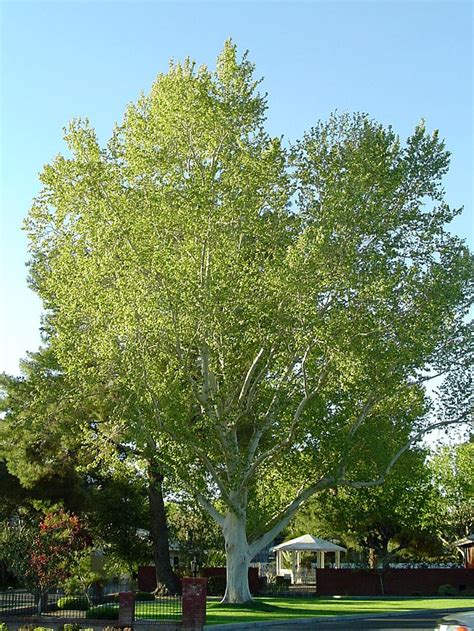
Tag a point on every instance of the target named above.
point(468, 541)
point(308, 542)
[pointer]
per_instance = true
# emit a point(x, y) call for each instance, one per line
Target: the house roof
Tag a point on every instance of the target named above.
point(308, 542)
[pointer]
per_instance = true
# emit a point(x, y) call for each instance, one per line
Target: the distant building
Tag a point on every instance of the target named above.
point(466, 546)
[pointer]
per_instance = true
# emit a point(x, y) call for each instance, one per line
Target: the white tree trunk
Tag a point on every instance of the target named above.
point(237, 558)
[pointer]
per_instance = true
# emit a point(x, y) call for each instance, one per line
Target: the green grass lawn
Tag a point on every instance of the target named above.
point(278, 608)
point(158, 611)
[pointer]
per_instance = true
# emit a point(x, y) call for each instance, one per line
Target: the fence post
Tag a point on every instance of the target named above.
point(194, 603)
point(126, 609)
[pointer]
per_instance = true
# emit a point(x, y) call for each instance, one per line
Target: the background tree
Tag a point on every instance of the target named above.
point(196, 533)
point(269, 315)
point(57, 447)
point(452, 512)
point(383, 521)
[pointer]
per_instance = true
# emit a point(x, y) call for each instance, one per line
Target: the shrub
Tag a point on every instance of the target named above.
point(3, 626)
point(282, 581)
point(447, 590)
point(103, 612)
point(78, 603)
point(71, 627)
point(144, 596)
point(216, 585)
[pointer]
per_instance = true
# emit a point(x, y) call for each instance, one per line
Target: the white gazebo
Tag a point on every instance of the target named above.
point(306, 543)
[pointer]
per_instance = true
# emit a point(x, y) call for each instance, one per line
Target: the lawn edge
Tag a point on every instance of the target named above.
point(257, 624)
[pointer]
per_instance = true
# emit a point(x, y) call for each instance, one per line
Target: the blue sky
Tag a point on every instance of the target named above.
point(398, 61)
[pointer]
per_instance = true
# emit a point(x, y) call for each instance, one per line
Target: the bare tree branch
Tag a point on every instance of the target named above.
point(269, 453)
point(249, 375)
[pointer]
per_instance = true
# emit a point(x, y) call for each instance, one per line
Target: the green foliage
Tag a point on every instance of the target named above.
point(261, 317)
point(196, 533)
point(452, 508)
point(447, 590)
point(80, 603)
point(391, 521)
point(3, 626)
point(216, 585)
point(103, 612)
point(72, 463)
point(72, 627)
point(37, 458)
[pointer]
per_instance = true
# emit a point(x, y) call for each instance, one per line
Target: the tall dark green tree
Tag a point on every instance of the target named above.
point(56, 446)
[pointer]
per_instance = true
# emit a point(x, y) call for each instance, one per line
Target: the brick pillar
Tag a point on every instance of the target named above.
point(126, 609)
point(194, 603)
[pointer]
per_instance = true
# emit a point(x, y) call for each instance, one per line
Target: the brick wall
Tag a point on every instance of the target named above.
point(396, 582)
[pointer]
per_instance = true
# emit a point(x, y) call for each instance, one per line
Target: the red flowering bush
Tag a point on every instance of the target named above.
point(43, 556)
point(59, 537)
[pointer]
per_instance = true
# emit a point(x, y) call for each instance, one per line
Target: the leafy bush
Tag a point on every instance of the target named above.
point(282, 581)
point(447, 590)
point(103, 612)
point(216, 585)
point(78, 603)
point(71, 627)
point(144, 596)
point(3, 626)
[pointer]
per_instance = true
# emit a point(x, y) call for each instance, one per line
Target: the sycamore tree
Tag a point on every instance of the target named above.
point(266, 313)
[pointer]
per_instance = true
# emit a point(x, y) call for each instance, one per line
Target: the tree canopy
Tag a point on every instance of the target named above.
point(266, 312)
point(58, 449)
point(385, 522)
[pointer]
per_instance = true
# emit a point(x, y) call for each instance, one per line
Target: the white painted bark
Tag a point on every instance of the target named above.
point(237, 558)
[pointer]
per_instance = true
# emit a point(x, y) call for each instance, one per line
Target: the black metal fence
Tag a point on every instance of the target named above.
point(55, 604)
point(21, 603)
point(160, 609)
point(17, 602)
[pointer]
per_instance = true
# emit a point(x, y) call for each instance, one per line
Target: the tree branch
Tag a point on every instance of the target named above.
point(360, 419)
point(249, 375)
point(287, 514)
point(309, 396)
point(209, 507)
point(324, 483)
